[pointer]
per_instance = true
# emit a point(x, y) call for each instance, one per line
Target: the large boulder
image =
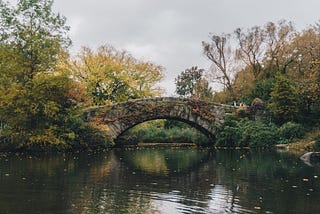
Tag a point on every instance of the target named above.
point(258, 104)
point(311, 158)
point(257, 108)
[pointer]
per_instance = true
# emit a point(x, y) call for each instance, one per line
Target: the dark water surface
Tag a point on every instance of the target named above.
point(159, 180)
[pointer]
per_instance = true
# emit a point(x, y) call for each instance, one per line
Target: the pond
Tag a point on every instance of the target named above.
point(159, 180)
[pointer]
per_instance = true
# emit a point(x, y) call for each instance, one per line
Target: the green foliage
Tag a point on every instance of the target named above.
point(41, 113)
point(187, 80)
point(290, 131)
point(158, 132)
point(257, 134)
point(284, 102)
point(191, 83)
point(35, 34)
point(229, 133)
point(245, 133)
point(243, 112)
point(37, 98)
point(262, 89)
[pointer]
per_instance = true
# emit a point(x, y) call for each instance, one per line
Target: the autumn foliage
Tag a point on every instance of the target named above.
point(43, 88)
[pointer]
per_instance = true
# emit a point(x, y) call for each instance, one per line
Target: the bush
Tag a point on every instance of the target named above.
point(257, 134)
point(243, 133)
point(228, 133)
point(243, 112)
point(92, 136)
point(290, 131)
point(228, 136)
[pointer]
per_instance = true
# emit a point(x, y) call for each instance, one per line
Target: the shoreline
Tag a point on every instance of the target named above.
point(144, 144)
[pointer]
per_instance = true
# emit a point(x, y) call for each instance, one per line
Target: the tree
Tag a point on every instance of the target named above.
point(36, 95)
point(110, 75)
point(186, 81)
point(284, 101)
point(202, 90)
point(278, 56)
point(34, 33)
point(224, 65)
point(306, 68)
point(251, 48)
point(191, 83)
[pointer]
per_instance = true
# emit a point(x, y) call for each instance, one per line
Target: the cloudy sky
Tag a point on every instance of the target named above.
point(170, 32)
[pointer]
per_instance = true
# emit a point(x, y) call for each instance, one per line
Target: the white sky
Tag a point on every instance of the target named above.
point(170, 32)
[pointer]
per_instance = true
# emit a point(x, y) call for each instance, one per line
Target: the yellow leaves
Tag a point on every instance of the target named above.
point(47, 136)
point(51, 109)
point(34, 108)
point(109, 74)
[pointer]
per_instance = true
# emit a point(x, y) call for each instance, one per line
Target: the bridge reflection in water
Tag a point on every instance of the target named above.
point(168, 180)
point(165, 180)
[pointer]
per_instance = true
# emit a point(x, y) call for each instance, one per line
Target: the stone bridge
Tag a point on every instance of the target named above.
point(122, 116)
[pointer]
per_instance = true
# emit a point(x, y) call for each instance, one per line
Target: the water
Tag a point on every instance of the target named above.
point(159, 180)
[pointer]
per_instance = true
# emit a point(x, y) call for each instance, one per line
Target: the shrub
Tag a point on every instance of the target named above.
point(258, 134)
point(244, 133)
point(243, 112)
point(228, 132)
point(92, 136)
point(228, 136)
point(290, 131)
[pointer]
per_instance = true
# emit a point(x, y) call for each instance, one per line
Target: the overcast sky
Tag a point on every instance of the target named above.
point(170, 32)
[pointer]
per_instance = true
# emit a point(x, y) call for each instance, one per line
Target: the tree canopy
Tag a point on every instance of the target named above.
point(248, 63)
point(109, 75)
point(37, 97)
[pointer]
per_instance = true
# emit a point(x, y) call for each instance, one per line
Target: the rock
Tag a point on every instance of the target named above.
point(258, 104)
point(257, 109)
point(311, 158)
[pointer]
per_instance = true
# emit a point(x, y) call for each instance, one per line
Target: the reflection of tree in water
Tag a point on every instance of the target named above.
point(270, 181)
point(35, 183)
point(188, 181)
point(163, 161)
point(221, 181)
point(130, 184)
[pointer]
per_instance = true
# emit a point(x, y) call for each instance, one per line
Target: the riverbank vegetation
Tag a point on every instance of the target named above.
point(272, 71)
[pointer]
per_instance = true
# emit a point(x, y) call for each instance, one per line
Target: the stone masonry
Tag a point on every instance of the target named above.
point(120, 117)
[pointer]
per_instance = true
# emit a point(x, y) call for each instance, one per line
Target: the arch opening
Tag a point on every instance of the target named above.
point(174, 131)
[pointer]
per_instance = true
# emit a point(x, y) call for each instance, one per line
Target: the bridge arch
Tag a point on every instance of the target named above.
point(122, 116)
